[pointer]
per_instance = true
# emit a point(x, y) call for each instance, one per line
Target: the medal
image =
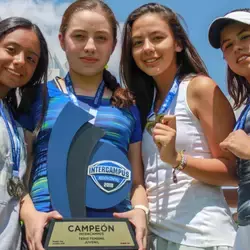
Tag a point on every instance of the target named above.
point(150, 124)
point(15, 187)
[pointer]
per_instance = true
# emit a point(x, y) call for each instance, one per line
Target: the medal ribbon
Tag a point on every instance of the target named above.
point(241, 120)
point(164, 107)
point(15, 145)
point(72, 96)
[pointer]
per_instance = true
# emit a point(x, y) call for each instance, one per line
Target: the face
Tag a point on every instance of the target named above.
point(235, 45)
point(153, 45)
point(88, 42)
point(19, 56)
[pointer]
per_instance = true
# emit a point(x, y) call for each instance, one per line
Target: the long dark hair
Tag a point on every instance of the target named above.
point(137, 81)
point(238, 86)
point(120, 97)
point(29, 92)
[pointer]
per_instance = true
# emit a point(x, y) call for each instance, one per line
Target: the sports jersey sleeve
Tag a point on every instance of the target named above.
point(137, 132)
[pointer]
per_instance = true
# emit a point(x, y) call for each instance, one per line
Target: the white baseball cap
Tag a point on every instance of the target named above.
point(219, 23)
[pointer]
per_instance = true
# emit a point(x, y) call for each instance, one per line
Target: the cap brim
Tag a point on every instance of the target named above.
point(215, 29)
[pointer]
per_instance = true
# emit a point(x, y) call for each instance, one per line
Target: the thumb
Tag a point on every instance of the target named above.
point(123, 215)
point(54, 215)
point(169, 120)
point(224, 146)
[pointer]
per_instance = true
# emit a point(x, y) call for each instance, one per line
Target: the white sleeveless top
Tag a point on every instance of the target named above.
point(10, 233)
point(188, 212)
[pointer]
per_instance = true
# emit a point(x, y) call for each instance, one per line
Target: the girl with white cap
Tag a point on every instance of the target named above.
point(231, 34)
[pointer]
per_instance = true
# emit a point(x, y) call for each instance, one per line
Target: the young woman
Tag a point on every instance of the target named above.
point(88, 37)
point(231, 34)
point(182, 111)
point(23, 66)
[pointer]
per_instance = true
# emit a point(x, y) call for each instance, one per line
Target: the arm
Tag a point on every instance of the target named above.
point(217, 120)
point(138, 196)
point(216, 117)
point(34, 221)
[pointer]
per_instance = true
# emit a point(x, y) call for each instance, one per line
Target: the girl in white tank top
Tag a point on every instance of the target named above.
point(182, 113)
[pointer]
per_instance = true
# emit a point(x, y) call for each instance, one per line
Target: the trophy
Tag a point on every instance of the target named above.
point(85, 172)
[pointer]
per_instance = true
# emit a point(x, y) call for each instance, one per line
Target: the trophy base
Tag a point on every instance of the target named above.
point(90, 233)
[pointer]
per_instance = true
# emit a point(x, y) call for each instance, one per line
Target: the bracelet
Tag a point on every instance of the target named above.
point(180, 166)
point(183, 161)
point(145, 209)
point(142, 207)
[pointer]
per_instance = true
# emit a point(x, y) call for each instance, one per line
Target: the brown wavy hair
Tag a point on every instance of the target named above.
point(121, 97)
point(142, 85)
point(238, 86)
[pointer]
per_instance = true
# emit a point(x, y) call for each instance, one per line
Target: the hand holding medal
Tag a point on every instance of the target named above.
point(164, 135)
point(163, 127)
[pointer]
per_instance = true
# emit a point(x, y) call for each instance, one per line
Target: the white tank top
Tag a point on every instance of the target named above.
point(188, 212)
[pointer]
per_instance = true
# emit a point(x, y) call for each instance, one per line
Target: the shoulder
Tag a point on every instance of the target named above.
point(50, 89)
point(204, 96)
point(51, 85)
point(201, 86)
point(123, 111)
point(134, 111)
point(53, 90)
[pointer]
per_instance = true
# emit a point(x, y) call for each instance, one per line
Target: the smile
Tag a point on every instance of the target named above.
point(13, 72)
point(151, 60)
point(242, 58)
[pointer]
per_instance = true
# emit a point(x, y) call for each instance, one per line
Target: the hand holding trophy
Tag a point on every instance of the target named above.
point(88, 173)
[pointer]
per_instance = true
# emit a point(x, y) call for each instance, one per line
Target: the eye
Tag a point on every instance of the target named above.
point(137, 43)
point(158, 38)
point(31, 59)
point(227, 46)
point(79, 36)
point(101, 38)
point(244, 37)
point(11, 50)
